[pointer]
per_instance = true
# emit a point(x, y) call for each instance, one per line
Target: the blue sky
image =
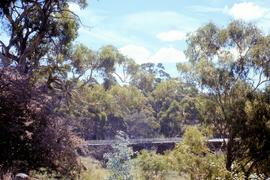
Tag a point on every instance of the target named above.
point(155, 30)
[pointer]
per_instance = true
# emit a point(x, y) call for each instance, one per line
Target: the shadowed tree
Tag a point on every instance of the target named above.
point(33, 59)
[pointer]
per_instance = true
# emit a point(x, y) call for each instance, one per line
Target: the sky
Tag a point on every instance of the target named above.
point(155, 30)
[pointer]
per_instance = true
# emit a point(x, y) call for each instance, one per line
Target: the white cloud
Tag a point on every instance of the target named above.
point(168, 55)
point(95, 34)
point(247, 11)
point(88, 16)
point(138, 53)
point(206, 9)
point(142, 55)
point(74, 7)
point(171, 36)
point(150, 21)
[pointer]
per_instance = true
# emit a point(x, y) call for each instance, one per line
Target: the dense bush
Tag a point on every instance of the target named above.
point(193, 158)
point(32, 135)
point(152, 165)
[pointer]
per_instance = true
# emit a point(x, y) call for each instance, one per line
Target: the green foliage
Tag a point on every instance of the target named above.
point(193, 158)
point(174, 106)
point(107, 92)
point(35, 43)
point(152, 166)
point(255, 135)
point(142, 124)
point(222, 64)
point(147, 76)
point(83, 59)
point(93, 170)
point(190, 159)
point(126, 99)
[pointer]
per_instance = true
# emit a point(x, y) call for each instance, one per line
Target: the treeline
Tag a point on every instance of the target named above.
point(162, 110)
point(54, 94)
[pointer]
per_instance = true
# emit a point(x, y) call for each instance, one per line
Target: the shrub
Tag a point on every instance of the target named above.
point(152, 166)
point(32, 135)
point(119, 161)
point(93, 170)
point(192, 157)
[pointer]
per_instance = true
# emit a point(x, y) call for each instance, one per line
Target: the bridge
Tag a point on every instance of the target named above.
point(149, 141)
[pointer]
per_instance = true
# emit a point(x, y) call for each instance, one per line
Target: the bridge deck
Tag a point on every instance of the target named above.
point(148, 141)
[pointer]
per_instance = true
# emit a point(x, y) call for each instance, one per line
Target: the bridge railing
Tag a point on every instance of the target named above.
point(148, 141)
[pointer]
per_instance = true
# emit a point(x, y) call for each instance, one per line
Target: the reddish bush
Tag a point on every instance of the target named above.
point(32, 134)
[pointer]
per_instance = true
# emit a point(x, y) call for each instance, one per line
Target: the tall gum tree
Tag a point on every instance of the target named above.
point(39, 33)
point(230, 66)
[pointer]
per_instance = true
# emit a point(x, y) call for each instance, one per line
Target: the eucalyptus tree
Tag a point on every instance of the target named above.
point(37, 35)
point(148, 75)
point(229, 66)
point(106, 64)
point(174, 107)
